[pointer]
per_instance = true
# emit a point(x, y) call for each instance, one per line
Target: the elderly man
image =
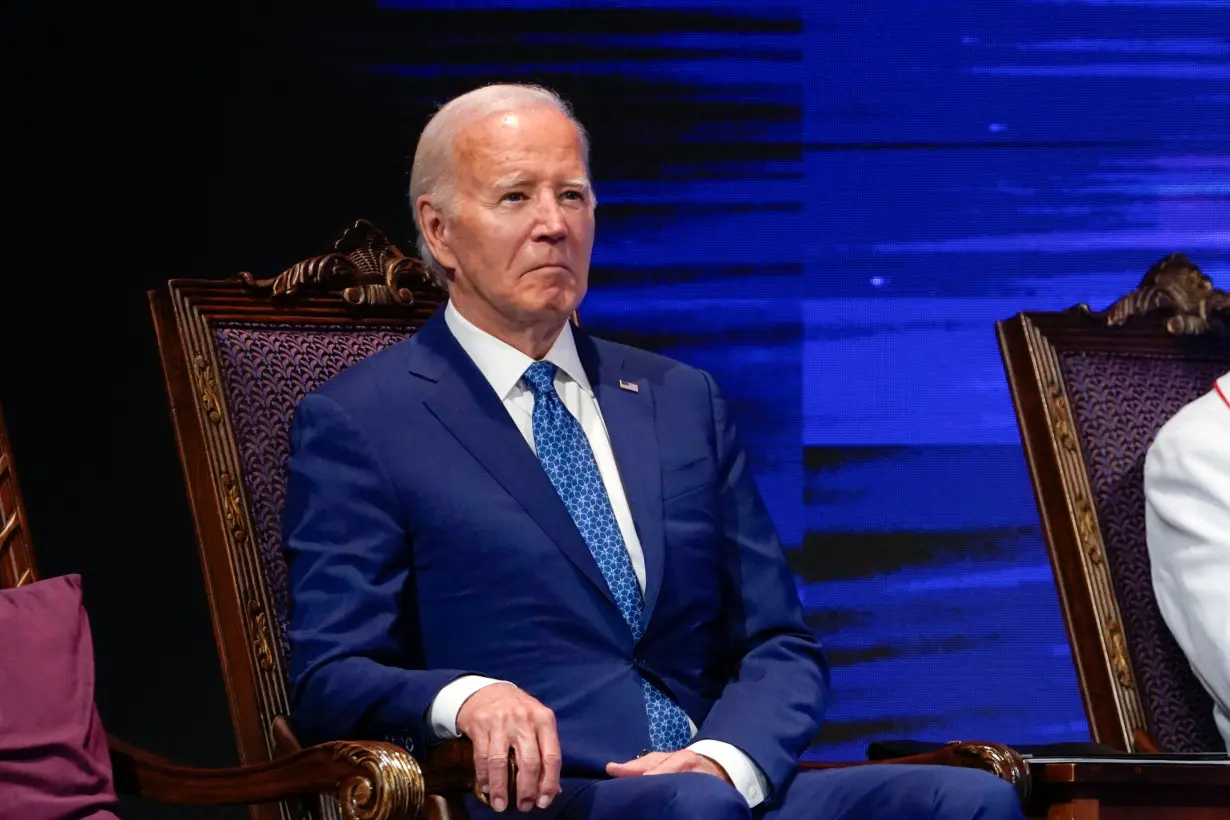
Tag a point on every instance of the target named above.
point(1187, 524)
point(508, 530)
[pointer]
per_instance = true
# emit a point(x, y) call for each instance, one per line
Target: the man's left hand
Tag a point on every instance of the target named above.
point(683, 760)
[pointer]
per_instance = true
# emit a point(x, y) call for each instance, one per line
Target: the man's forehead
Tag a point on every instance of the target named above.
point(518, 155)
point(513, 120)
point(518, 135)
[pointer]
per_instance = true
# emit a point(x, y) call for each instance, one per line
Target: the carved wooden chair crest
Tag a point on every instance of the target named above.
point(1091, 391)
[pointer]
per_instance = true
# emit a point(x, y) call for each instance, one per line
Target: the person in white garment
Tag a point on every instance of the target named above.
point(1187, 524)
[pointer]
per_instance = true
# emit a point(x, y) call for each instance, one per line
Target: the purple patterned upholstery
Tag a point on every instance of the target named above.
point(266, 370)
point(1119, 402)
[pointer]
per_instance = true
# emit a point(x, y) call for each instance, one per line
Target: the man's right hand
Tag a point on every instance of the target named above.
point(499, 717)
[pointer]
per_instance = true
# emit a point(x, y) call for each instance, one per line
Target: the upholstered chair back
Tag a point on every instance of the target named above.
point(238, 355)
point(1091, 392)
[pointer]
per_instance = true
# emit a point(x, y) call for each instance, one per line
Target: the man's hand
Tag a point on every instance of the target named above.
point(499, 717)
point(683, 760)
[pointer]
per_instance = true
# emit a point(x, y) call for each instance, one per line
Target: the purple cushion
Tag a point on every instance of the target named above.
point(54, 762)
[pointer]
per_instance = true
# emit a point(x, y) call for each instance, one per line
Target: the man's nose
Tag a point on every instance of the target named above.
point(551, 224)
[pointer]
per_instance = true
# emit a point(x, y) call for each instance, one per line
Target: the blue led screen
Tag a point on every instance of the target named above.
point(828, 205)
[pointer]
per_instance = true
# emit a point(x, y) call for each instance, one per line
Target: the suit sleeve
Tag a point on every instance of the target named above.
point(772, 708)
point(349, 559)
point(1187, 520)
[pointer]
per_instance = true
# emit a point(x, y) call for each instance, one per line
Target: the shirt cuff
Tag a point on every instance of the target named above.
point(442, 715)
point(743, 773)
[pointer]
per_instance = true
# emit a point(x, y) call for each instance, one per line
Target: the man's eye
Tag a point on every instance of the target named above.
point(575, 196)
point(513, 196)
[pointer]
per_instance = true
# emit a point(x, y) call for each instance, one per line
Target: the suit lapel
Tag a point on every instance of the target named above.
point(465, 404)
point(629, 419)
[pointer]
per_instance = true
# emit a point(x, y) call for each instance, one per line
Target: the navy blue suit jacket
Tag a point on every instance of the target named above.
point(425, 542)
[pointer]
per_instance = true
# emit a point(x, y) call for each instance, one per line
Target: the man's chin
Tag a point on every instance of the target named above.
point(547, 315)
point(555, 304)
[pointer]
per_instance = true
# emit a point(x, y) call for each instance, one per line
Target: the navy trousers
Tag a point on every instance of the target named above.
point(880, 792)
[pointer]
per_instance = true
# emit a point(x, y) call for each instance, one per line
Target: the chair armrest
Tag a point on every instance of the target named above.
point(449, 770)
point(999, 760)
point(449, 767)
point(372, 781)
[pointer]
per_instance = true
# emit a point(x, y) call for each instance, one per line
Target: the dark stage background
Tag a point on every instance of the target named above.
point(826, 204)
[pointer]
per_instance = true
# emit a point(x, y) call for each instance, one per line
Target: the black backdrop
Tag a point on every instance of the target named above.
point(157, 141)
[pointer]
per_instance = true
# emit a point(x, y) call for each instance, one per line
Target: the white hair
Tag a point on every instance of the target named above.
point(432, 173)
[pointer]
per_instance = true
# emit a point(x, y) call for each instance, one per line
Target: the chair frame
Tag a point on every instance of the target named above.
point(240, 604)
point(365, 280)
point(16, 554)
point(1174, 312)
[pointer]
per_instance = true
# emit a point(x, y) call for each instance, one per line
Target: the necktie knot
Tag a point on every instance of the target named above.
point(540, 379)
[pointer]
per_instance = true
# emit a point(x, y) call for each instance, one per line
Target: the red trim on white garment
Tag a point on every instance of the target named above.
point(1217, 387)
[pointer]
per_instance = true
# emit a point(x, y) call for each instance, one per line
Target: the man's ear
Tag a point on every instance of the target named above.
point(435, 231)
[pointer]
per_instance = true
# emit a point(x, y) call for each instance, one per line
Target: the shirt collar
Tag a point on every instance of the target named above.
point(501, 364)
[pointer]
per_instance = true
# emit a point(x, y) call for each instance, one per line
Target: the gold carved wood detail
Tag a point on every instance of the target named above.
point(258, 618)
point(1178, 290)
point(393, 786)
point(1118, 654)
point(207, 387)
point(1087, 530)
point(364, 266)
point(258, 631)
point(1001, 761)
point(1061, 416)
point(232, 506)
point(1088, 535)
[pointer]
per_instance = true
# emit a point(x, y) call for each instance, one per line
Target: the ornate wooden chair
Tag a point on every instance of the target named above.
point(370, 780)
point(1091, 390)
point(238, 356)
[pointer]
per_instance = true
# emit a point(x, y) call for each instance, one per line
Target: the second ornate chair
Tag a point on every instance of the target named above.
point(1091, 391)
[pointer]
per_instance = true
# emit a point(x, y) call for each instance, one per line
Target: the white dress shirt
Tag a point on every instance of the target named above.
point(503, 366)
point(1187, 523)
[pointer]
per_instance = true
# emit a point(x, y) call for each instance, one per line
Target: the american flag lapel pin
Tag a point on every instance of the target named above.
point(632, 386)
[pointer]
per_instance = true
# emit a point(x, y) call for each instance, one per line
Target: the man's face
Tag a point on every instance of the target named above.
point(520, 230)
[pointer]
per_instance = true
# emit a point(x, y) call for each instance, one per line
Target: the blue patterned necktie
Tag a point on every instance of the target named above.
point(569, 463)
